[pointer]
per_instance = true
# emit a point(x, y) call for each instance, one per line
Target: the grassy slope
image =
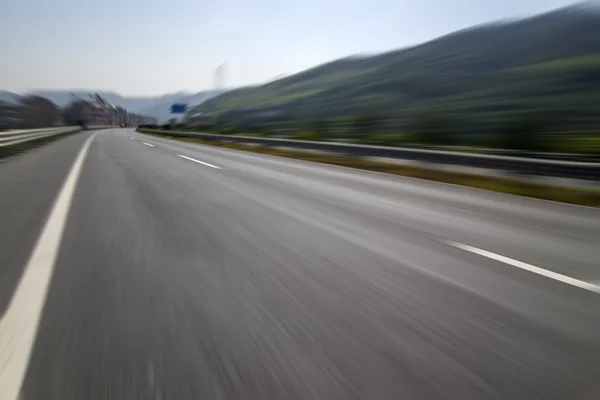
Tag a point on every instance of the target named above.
point(500, 67)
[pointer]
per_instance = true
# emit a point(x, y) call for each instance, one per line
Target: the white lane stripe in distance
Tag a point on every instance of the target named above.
point(527, 267)
point(199, 162)
point(19, 325)
point(148, 144)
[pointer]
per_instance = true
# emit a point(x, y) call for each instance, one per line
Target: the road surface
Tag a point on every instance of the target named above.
point(135, 267)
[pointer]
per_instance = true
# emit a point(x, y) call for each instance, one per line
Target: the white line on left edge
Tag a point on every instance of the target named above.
point(527, 267)
point(19, 325)
point(148, 144)
point(199, 162)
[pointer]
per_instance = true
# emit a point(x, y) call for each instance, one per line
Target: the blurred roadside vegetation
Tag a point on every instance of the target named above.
point(524, 135)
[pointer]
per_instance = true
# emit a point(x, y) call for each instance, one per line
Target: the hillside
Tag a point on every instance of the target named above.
point(550, 63)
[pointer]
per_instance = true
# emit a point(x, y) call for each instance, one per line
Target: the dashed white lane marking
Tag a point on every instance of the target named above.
point(148, 144)
point(527, 267)
point(199, 162)
point(131, 138)
point(152, 382)
point(18, 327)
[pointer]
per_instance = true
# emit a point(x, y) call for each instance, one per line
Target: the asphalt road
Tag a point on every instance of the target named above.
point(193, 272)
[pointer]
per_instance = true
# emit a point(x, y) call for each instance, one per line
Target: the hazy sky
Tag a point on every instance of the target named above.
point(148, 47)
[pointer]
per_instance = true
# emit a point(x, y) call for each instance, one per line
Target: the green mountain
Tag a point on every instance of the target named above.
point(547, 63)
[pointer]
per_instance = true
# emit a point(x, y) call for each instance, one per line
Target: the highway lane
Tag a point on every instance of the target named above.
point(222, 274)
point(28, 186)
point(560, 237)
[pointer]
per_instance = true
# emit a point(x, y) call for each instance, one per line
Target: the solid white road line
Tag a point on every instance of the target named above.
point(199, 162)
point(528, 267)
point(18, 327)
point(148, 144)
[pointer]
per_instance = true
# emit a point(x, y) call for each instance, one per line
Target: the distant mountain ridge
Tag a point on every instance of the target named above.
point(155, 106)
point(8, 97)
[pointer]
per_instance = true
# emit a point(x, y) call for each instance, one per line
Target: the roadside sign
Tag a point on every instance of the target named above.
point(178, 108)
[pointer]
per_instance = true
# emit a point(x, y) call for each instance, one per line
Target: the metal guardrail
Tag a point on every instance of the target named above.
point(520, 165)
point(18, 137)
point(16, 142)
point(11, 138)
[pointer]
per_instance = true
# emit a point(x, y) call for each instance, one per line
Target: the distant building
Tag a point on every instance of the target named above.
point(97, 111)
point(94, 111)
point(122, 115)
point(103, 112)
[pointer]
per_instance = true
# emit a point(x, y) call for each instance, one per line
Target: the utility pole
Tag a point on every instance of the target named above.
point(220, 76)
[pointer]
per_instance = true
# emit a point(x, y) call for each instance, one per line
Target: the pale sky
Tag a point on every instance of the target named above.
point(151, 47)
